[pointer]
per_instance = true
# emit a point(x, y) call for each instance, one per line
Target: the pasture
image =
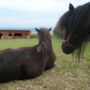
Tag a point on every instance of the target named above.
point(68, 74)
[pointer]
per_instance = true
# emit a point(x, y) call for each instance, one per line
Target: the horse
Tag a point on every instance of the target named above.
point(75, 23)
point(27, 62)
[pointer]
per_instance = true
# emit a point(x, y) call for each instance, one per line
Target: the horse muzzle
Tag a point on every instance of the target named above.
point(67, 48)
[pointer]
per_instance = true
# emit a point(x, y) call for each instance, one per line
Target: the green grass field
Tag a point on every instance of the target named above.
point(68, 74)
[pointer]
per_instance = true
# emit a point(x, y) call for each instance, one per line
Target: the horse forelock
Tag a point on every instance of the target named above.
point(76, 18)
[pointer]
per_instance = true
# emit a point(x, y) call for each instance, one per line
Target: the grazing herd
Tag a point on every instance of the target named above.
point(29, 62)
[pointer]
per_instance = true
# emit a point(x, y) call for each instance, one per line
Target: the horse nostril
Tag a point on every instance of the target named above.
point(67, 49)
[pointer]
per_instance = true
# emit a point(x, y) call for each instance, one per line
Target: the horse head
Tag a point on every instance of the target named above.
point(76, 23)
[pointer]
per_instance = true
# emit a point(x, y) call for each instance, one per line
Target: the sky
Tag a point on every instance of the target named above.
point(33, 13)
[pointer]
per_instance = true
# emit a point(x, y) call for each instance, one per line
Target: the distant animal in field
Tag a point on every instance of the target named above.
point(76, 23)
point(27, 62)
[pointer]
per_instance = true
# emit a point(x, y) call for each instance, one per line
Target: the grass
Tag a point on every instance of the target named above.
point(67, 75)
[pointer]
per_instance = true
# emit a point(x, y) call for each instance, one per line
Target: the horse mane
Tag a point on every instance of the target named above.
point(78, 21)
point(79, 14)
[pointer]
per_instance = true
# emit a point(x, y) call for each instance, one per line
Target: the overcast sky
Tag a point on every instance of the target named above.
point(33, 13)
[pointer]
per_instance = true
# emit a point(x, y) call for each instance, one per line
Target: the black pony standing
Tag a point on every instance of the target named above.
point(76, 23)
point(27, 62)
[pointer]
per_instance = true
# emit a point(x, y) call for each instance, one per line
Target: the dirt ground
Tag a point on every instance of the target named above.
point(49, 81)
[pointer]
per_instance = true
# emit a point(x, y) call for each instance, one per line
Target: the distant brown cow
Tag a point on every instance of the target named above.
point(27, 62)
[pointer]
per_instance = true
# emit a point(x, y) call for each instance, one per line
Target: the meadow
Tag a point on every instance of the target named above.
point(68, 73)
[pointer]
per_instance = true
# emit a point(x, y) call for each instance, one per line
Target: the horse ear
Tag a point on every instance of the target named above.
point(37, 29)
point(50, 28)
point(71, 7)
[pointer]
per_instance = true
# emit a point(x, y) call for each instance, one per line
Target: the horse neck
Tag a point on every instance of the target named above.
point(46, 43)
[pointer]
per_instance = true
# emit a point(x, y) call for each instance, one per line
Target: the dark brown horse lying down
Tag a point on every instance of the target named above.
point(27, 62)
